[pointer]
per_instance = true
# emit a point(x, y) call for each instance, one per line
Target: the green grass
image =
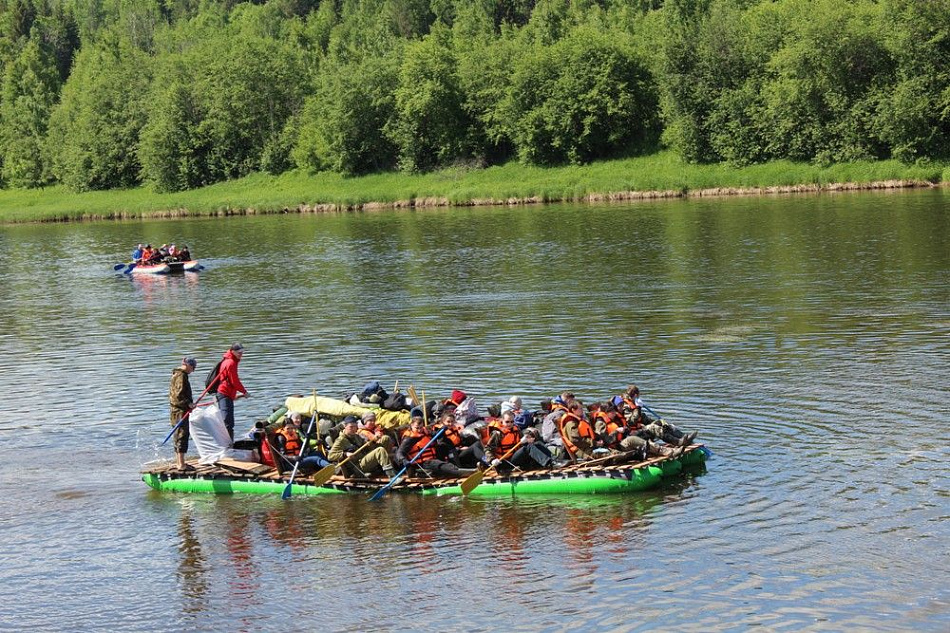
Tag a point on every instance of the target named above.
point(261, 193)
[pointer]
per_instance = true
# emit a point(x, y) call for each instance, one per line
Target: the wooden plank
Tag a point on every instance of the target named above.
point(245, 467)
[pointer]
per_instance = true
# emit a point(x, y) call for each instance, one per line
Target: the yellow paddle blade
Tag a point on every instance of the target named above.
point(471, 482)
point(323, 475)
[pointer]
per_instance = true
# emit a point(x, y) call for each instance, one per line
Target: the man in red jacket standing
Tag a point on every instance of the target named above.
point(229, 385)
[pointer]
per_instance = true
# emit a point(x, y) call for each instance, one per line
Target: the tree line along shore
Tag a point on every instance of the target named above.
point(123, 109)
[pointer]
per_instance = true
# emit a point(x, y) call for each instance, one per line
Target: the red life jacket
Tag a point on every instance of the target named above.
point(421, 440)
point(583, 428)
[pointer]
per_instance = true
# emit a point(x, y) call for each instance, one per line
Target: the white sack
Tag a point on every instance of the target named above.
point(211, 439)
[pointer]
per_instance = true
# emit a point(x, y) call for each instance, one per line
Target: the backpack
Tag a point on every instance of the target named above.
point(466, 412)
point(550, 432)
point(395, 402)
point(212, 380)
point(373, 393)
point(524, 419)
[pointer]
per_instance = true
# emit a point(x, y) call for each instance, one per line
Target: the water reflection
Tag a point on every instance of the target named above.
point(192, 567)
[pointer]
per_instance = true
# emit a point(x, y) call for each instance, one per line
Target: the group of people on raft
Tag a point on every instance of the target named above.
point(145, 255)
point(509, 439)
point(448, 438)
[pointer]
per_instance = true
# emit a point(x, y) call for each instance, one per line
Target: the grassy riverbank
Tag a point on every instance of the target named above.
point(658, 175)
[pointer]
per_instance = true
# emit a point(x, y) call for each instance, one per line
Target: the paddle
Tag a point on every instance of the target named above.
point(323, 475)
point(303, 445)
point(382, 491)
point(118, 266)
point(129, 269)
point(187, 413)
point(471, 482)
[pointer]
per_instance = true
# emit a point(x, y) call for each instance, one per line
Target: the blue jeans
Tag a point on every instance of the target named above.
point(312, 463)
point(226, 406)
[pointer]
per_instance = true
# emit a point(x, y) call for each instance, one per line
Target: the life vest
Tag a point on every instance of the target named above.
point(484, 433)
point(611, 427)
point(583, 428)
point(452, 434)
point(421, 440)
point(368, 435)
point(508, 440)
point(291, 440)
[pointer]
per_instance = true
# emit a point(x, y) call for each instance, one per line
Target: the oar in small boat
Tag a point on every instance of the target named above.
point(118, 266)
point(129, 269)
point(382, 491)
point(182, 419)
point(303, 445)
point(471, 482)
point(323, 475)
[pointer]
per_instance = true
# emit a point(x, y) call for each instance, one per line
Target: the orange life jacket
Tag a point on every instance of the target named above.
point(452, 434)
point(583, 428)
point(291, 440)
point(509, 439)
point(421, 440)
point(611, 427)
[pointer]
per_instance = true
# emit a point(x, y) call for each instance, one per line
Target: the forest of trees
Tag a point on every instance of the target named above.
point(177, 94)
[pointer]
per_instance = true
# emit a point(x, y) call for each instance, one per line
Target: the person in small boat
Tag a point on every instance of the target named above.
point(372, 432)
point(184, 254)
point(532, 454)
point(416, 442)
point(290, 444)
point(550, 424)
point(646, 425)
point(502, 438)
point(137, 255)
point(229, 385)
point(147, 253)
point(458, 446)
point(173, 252)
point(369, 463)
point(576, 432)
point(181, 403)
point(288, 436)
point(513, 404)
point(615, 435)
point(449, 405)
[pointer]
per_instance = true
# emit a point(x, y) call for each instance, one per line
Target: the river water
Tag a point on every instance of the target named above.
point(806, 338)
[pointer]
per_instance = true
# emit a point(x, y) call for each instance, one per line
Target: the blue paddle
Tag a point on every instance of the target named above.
point(382, 491)
point(118, 266)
